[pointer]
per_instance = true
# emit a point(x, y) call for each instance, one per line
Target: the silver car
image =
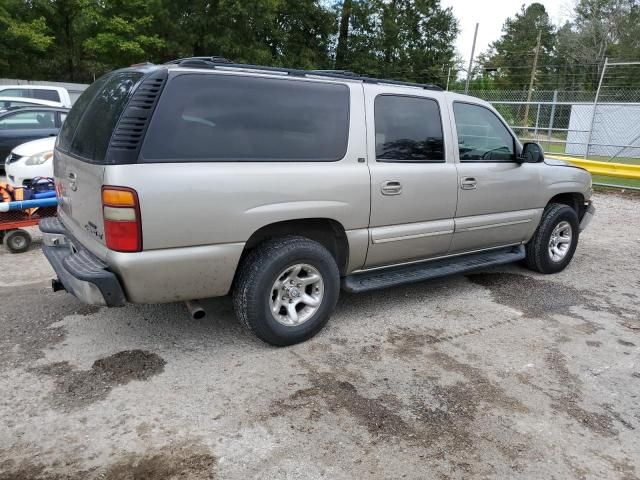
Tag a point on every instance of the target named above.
point(281, 187)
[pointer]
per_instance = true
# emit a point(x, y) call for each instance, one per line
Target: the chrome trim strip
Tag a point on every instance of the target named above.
point(436, 258)
point(493, 225)
point(410, 237)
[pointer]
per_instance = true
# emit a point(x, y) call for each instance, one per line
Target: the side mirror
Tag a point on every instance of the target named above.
point(531, 153)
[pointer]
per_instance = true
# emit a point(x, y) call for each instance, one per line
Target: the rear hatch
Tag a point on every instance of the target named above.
point(80, 156)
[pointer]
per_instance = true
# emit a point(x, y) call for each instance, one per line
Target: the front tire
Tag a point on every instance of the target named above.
point(553, 244)
point(286, 290)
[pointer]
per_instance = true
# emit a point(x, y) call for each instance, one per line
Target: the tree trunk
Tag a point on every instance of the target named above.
point(343, 37)
point(70, 49)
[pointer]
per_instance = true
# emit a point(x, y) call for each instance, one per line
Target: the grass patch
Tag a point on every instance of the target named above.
point(559, 149)
point(620, 182)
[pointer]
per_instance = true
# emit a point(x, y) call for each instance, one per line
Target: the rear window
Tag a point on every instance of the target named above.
point(51, 95)
point(233, 118)
point(87, 129)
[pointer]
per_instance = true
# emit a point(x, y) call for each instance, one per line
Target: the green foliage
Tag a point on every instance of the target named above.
point(121, 32)
point(572, 55)
point(20, 36)
point(81, 39)
point(403, 39)
point(512, 55)
point(412, 40)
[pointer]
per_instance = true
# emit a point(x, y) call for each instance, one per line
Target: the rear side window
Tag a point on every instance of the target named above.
point(233, 118)
point(51, 95)
point(408, 129)
point(87, 129)
point(69, 128)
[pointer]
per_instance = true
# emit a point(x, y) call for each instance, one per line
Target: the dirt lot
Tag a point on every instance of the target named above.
point(499, 374)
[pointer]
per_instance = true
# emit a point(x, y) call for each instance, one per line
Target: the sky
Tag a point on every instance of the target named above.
point(491, 15)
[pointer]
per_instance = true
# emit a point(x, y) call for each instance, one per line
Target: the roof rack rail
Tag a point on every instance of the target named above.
point(223, 63)
point(337, 72)
point(211, 60)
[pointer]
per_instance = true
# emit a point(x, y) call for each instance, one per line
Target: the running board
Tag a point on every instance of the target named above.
point(417, 272)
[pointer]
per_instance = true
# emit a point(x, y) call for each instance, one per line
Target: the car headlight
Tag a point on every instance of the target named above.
point(39, 158)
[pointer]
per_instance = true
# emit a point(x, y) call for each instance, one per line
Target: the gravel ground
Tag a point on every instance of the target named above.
point(498, 374)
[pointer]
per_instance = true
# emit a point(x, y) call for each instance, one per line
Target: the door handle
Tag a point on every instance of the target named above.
point(73, 181)
point(468, 183)
point(391, 187)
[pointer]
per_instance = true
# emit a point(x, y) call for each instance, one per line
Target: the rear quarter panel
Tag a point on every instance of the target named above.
point(210, 203)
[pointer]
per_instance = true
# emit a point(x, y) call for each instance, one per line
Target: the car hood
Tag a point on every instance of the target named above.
point(556, 162)
point(35, 146)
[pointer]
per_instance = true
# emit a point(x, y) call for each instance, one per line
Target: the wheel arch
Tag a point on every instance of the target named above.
point(574, 200)
point(328, 232)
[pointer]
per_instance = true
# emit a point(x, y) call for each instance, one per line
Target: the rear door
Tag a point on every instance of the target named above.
point(413, 175)
point(496, 194)
point(80, 155)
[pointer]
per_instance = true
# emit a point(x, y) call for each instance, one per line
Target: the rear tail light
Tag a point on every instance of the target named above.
point(122, 222)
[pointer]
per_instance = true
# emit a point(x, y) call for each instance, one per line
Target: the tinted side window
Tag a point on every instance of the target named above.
point(32, 120)
point(99, 118)
point(481, 135)
point(51, 95)
point(233, 118)
point(69, 127)
point(408, 129)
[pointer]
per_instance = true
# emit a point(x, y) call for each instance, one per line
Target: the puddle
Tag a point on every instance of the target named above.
point(78, 388)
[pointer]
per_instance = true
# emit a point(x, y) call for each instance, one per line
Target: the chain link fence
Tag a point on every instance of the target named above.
point(572, 123)
point(601, 125)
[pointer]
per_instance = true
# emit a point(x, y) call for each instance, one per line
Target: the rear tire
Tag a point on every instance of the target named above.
point(17, 241)
point(553, 244)
point(286, 290)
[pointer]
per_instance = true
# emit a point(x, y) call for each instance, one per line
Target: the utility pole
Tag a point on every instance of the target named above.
point(448, 77)
point(473, 51)
point(595, 106)
point(533, 77)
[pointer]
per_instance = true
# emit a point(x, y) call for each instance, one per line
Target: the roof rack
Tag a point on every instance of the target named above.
point(223, 63)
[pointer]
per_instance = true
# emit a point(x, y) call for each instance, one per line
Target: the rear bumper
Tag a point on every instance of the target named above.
point(588, 216)
point(81, 273)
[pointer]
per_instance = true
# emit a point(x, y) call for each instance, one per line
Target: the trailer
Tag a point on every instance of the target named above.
point(17, 215)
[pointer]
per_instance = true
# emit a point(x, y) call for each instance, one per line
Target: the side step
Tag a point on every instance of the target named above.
point(417, 272)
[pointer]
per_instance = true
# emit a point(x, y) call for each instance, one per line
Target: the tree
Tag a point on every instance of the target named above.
point(122, 32)
point(401, 39)
point(68, 18)
point(22, 35)
point(511, 57)
point(602, 28)
point(343, 33)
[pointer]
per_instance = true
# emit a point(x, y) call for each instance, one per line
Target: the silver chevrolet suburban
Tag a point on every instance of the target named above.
point(203, 178)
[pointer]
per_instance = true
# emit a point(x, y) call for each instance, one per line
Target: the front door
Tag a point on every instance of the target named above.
point(413, 176)
point(496, 194)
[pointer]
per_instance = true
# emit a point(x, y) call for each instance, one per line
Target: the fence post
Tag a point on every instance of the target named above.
point(551, 118)
point(595, 105)
point(535, 132)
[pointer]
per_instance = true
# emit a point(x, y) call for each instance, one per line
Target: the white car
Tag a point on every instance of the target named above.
point(30, 160)
point(12, 102)
point(42, 92)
